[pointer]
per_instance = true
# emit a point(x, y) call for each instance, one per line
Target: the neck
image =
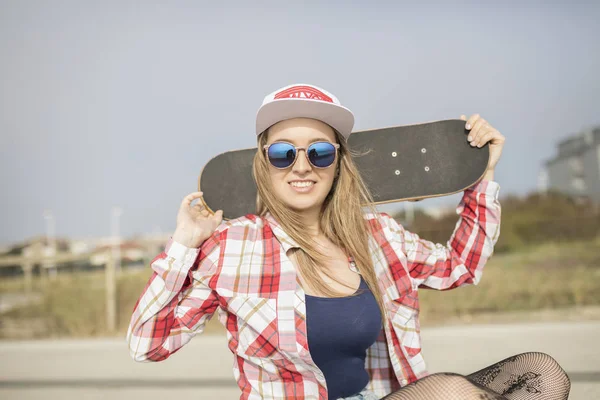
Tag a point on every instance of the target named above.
point(311, 221)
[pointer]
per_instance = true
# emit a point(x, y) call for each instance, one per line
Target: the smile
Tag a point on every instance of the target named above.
point(302, 186)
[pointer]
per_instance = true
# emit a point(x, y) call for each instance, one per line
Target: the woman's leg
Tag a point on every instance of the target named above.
point(444, 386)
point(522, 377)
point(525, 376)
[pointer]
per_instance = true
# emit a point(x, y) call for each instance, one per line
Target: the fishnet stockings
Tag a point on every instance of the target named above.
point(522, 377)
point(525, 376)
point(444, 386)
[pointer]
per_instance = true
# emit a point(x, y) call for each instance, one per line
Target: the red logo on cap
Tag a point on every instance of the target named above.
point(303, 92)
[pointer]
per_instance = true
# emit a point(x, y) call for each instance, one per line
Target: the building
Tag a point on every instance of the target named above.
point(128, 251)
point(576, 169)
point(80, 254)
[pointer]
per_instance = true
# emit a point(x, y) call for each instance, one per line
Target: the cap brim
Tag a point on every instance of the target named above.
point(338, 117)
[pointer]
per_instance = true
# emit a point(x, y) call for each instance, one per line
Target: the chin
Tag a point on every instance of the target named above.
point(302, 204)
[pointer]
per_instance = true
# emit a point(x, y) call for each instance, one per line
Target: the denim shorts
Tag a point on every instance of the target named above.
point(364, 395)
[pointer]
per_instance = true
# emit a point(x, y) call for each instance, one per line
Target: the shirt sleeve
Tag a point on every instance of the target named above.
point(461, 260)
point(177, 301)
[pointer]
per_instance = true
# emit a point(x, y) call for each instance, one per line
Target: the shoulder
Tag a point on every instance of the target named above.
point(246, 229)
point(249, 220)
point(249, 227)
point(381, 220)
point(384, 227)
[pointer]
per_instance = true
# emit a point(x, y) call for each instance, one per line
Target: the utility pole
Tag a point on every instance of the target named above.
point(50, 247)
point(113, 268)
point(111, 294)
point(409, 210)
point(115, 238)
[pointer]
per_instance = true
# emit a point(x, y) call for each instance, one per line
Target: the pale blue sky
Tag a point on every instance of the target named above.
point(121, 103)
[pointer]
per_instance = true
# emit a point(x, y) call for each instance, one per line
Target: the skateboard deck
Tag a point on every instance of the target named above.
point(411, 162)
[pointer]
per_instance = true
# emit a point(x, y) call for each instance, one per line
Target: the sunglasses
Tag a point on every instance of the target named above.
point(282, 155)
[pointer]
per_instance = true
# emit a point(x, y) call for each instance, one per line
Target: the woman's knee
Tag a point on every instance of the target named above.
point(547, 366)
point(542, 362)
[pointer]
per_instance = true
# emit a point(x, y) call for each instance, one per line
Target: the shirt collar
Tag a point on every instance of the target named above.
point(286, 241)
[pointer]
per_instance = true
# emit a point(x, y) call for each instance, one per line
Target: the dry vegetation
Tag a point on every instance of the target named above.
point(547, 277)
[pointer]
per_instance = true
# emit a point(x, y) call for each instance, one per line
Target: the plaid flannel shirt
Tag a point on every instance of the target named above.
point(243, 272)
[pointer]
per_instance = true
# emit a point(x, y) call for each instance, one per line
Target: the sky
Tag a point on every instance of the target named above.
point(121, 103)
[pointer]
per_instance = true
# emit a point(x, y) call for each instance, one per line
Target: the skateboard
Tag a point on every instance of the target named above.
point(401, 163)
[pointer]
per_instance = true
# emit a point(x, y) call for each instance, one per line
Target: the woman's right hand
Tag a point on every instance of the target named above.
point(194, 223)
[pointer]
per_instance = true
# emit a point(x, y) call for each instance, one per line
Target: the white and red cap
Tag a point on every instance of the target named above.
point(304, 101)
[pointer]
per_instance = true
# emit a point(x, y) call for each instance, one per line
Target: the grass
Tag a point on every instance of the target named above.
point(550, 276)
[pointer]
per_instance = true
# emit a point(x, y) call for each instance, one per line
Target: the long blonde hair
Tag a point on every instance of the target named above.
point(342, 220)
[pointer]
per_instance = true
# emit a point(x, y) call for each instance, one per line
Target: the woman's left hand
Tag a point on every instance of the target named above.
point(480, 133)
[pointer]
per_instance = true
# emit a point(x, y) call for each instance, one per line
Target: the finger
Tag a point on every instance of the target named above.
point(463, 117)
point(495, 137)
point(218, 217)
point(478, 128)
point(477, 137)
point(471, 121)
point(187, 200)
point(198, 208)
point(484, 138)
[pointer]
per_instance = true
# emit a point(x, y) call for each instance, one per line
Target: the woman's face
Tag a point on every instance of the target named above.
point(301, 186)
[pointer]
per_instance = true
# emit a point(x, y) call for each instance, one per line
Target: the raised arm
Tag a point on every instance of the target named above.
point(177, 301)
point(461, 260)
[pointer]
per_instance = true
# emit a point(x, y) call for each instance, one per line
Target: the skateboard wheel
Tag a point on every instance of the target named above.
point(427, 169)
point(397, 172)
point(423, 150)
point(394, 154)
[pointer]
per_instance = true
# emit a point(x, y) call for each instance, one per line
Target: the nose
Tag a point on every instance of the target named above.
point(301, 166)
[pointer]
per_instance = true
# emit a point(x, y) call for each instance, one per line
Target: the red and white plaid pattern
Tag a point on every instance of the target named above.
point(243, 272)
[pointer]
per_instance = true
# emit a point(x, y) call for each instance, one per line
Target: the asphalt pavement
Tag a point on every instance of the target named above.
point(102, 368)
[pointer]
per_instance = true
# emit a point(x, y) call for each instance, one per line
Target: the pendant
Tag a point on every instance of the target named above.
point(352, 265)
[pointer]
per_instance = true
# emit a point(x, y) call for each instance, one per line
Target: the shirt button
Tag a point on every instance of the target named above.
point(404, 382)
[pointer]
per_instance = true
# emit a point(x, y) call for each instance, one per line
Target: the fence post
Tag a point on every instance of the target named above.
point(28, 260)
point(111, 294)
point(27, 272)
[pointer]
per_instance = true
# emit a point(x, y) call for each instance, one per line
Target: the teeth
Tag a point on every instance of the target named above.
point(301, 184)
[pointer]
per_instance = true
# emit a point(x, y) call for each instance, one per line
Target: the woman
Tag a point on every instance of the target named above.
point(319, 298)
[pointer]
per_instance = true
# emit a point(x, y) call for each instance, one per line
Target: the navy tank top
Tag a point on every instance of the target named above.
point(340, 330)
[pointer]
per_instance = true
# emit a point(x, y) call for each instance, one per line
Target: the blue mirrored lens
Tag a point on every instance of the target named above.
point(281, 155)
point(321, 154)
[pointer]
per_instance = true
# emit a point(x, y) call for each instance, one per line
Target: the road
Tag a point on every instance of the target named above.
point(101, 368)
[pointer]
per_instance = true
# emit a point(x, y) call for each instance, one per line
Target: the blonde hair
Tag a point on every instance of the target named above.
point(342, 220)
